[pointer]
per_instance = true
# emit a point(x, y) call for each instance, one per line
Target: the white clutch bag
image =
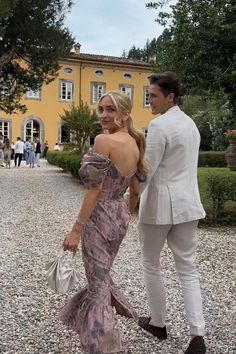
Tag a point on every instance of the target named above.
point(61, 273)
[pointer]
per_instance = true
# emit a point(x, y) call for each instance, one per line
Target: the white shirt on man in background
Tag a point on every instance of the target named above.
point(19, 147)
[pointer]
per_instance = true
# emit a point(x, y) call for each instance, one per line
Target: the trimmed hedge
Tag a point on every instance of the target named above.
point(212, 159)
point(217, 187)
point(68, 161)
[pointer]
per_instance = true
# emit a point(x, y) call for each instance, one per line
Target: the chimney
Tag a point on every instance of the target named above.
point(77, 48)
point(152, 58)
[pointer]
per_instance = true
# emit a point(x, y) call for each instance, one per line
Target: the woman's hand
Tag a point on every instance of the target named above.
point(71, 241)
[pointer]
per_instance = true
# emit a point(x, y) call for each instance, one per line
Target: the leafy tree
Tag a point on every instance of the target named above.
point(135, 53)
point(6, 6)
point(82, 123)
point(197, 108)
point(201, 46)
point(145, 53)
point(32, 40)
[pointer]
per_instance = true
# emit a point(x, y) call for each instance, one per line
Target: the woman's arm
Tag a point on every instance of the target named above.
point(91, 197)
point(72, 240)
point(133, 193)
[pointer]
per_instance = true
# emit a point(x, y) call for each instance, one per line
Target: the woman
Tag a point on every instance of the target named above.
point(102, 223)
point(32, 154)
point(7, 152)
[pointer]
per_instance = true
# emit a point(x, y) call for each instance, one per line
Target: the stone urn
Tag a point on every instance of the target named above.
point(230, 154)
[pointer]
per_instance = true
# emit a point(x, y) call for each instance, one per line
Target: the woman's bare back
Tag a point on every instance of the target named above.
point(121, 149)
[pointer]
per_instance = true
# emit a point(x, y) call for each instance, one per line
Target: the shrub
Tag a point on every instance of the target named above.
point(68, 161)
point(221, 189)
point(218, 194)
point(212, 159)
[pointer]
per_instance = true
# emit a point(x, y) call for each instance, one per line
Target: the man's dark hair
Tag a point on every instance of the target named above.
point(168, 83)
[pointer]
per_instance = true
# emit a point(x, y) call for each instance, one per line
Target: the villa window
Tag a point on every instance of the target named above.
point(98, 89)
point(127, 90)
point(64, 134)
point(4, 129)
point(31, 130)
point(4, 88)
point(33, 94)
point(99, 73)
point(66, 90)
point(127, 76)
point(146, 97)
point(145, 131)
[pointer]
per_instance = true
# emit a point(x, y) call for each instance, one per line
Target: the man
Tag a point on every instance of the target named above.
point(170, 208)
point(1, 150)
point(37, 152)
point(19, 151)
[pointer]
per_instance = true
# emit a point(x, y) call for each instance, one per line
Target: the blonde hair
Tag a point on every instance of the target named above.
point(123, 104)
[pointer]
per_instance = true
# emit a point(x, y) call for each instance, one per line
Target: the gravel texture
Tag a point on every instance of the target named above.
point(38, 207)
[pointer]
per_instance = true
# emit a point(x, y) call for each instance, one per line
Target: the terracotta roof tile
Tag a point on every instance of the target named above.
point(110, 59)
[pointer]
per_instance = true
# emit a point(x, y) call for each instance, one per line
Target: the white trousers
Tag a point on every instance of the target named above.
point(37, 159)
point(182, 240)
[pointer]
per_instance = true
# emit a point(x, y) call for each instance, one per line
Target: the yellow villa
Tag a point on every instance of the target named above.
point(81, 77)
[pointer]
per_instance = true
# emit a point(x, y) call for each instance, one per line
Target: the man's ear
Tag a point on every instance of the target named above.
point(172, 96)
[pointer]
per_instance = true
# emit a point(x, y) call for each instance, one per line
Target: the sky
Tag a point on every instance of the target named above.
point(110, 26)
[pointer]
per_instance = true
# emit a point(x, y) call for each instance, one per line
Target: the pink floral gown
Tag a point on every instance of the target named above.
point(90, 312)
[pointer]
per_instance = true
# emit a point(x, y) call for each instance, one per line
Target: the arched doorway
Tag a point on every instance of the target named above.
point(32, 130)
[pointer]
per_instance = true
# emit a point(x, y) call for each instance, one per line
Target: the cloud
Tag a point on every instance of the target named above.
point(110, 26)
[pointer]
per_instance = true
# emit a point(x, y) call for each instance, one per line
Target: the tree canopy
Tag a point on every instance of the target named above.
point(199, 43)
point(32, 40)
point(82, 123)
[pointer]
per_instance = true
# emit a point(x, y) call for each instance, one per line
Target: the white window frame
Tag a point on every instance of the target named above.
point(145, 131)
point(5, 128)
point(4, 89)
point(97, 91)
point(127, 90)
point(145, 97)
point(33, 94)
point(66, 90)
point(31, 136)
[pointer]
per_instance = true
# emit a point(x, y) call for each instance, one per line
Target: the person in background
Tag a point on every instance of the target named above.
point(7, 153)
point(19, 151)
point(32, 154)
point(45, 149)
point(170, 208)
point(57, 147)
point(1, 150)
point(37, 152)
point(12, 150)
point(27, 152)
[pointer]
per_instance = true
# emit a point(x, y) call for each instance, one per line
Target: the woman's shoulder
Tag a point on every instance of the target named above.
point(102, 138)
point(102, 144)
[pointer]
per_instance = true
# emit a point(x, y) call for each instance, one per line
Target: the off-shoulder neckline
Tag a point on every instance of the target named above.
point(110, 161)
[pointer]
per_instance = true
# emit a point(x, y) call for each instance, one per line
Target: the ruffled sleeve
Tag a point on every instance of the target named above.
point(93, 170)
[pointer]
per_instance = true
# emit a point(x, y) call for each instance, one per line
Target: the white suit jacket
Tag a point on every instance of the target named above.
point(170, 194)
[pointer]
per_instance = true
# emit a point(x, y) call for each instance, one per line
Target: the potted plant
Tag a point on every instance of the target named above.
point(230, 154)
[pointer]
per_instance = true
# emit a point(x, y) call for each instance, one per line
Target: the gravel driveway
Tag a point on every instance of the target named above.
point(37, 208)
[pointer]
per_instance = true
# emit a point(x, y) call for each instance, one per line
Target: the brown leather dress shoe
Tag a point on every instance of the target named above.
point(159, 332)
point(196, 346)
